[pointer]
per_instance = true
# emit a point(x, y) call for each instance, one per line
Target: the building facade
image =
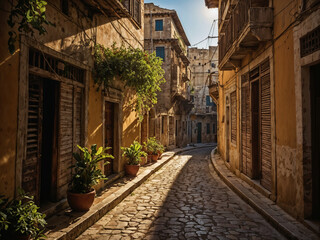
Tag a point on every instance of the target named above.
point(268, 98)
point(203, 116)
point(165, 36)
point(51, 101)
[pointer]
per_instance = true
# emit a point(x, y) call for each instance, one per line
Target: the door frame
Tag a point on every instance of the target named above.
point(110, 95)
point(25, 44)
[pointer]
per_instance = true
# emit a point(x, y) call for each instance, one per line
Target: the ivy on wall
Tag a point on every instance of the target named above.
point(138, 69)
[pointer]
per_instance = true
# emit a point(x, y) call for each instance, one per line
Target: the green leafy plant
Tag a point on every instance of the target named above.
point(30, 15)
point(86, 170)
point(20, 217)
point(152, 146)
point(138, 69)
point(133, 153)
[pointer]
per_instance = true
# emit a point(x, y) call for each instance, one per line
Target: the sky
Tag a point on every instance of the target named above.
point(196, 19)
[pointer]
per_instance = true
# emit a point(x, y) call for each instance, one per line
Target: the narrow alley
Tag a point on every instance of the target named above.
point(184, 200)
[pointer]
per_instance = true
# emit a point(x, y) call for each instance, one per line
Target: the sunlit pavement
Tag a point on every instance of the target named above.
point(183, 200)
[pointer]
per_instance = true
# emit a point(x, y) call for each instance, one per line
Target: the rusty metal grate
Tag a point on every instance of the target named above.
point(310, 42)
point(51, 64)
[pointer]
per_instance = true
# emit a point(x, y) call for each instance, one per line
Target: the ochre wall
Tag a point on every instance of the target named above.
point(289, 184)
point(9, 73)
point(65, 37)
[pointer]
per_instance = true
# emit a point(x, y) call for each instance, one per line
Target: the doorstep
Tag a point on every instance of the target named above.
point(259, 201)
point(66, 224)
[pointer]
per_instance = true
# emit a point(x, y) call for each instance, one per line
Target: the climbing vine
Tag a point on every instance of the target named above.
point(138, 70)
point(30, 15)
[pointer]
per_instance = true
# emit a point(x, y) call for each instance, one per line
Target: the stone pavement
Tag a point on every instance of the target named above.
point(67, 224)
point(251, 194)
point(184, 200)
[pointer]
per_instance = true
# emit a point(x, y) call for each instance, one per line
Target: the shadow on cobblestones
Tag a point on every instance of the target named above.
point(183, 200)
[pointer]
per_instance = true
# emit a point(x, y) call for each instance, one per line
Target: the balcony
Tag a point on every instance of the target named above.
point(246, 28)
point(116, 9)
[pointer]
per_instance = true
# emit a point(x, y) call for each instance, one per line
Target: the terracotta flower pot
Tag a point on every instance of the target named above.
point(143, 161)
point(154, 157)
point(132, 170)
point(81, 201)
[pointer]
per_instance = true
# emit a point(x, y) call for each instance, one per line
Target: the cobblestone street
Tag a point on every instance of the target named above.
point(183, 200)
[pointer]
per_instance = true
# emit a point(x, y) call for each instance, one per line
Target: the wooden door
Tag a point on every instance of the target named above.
point(255, 110)
point(199, 137)
point(315, 138)
point(109, 135)
point(31, 165)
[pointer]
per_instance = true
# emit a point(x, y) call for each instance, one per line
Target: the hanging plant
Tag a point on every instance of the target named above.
point(30, 15)
point(136, 68)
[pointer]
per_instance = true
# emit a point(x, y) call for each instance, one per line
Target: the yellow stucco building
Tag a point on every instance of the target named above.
point(268, 98)
point(49, 102)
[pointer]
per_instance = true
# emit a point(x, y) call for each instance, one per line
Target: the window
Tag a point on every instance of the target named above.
point(160, 52)
point(208, 128)
point(64, 7)
point(233, 97)
point(134, 9)
point(208, 70)
point(209, 101)
point(214, 128)
point(194, 57)
point(213, 65)
point(159, 25)
point(199, 64)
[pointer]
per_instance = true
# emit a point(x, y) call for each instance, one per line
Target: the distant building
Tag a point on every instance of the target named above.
point(165, 36)
point(203, 116)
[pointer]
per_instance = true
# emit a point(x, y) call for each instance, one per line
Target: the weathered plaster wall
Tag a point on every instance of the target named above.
point(71, 36)
point(9, 73)
point(289, 177)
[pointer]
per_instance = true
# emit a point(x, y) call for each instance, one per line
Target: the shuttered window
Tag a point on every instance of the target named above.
point(159, 25)
point(208, 128)
point(160, 52)
point(233, 98)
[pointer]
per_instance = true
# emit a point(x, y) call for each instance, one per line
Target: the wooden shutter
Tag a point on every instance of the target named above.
point(78, 93)
point(233, 98)
point(31, 165)
point(265, 130)
point(245, 130)
point(66, 138)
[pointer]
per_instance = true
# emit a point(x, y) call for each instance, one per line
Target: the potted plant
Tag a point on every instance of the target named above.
point(133, 155)
point(81, 193)
point(20, 219)
point(152, 147)
point(160, 150)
